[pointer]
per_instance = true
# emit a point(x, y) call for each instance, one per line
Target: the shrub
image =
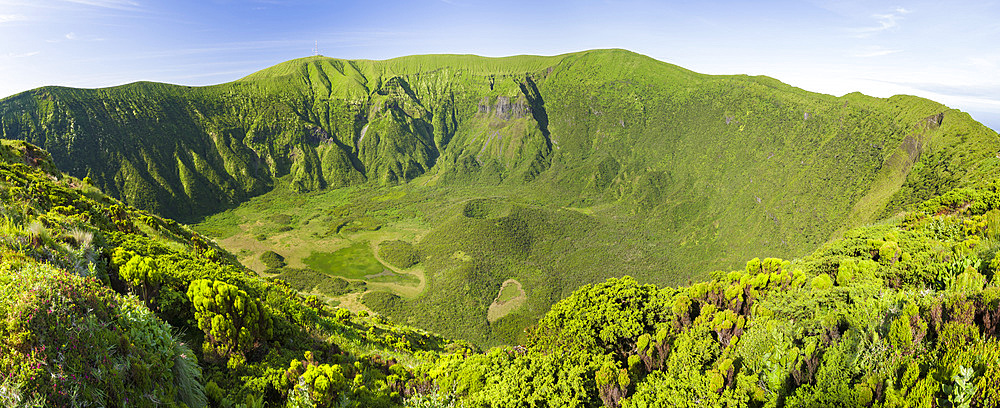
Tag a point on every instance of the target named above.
point(68, 341)
point(823, 281)
point(143, 276)
point(232, 320)
point(272, 260)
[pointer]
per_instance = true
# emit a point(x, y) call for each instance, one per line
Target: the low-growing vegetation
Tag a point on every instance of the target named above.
point(400, 254)
point(353, 262)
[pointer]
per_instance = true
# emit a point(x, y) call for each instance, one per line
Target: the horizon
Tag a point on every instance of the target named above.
point(946, 54)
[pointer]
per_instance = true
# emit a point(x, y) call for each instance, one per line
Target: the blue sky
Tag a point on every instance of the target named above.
point(946, 51)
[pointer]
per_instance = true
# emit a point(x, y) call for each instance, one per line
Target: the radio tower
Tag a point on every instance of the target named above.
point(316, 48)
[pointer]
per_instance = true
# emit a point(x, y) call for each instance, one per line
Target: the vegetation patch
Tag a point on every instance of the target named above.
point(353, 262)
point(510, 298)
point(486, 208)
point(351, 225)
point(280, 219)
point(272, 260)
point(403, 279)
point(308, 280)
point(400, 254)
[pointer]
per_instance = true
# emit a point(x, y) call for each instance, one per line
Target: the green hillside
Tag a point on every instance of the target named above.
point(551, 172)
point(897, 314)
point(102, 304)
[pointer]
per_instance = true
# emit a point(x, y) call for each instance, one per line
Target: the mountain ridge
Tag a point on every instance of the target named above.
point(669, 173)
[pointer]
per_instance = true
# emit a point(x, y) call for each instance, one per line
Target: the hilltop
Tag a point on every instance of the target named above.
point(545, 172)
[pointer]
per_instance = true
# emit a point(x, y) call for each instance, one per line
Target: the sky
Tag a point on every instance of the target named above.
point(945, 51)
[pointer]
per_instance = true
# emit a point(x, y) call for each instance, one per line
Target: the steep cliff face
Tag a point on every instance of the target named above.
point(143, 143)
point(183, 151)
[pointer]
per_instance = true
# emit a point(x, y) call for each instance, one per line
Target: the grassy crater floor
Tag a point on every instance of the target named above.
point(494, 258)
point(315, 239)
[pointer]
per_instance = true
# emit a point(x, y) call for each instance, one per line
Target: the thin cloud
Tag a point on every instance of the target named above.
point(73, 36)
point(224, 75)
point(21, 55)
point(875, 51)
point(111, 4)
point(985, 63)
point(986, 92)
point(6, 18)
point(884, 22)
point(106, 3)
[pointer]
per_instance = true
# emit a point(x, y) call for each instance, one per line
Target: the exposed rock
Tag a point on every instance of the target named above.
point(318, 135)
point(912, 146)
point(504, 109)
point(934, 121)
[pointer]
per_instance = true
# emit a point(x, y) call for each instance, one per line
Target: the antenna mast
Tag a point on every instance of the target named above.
point(316, 48)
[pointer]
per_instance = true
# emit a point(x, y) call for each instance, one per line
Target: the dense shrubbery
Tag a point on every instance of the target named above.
point(69, 339)
point(272, 260)
point(232, 321)
point(898, 314)
point(308, 280)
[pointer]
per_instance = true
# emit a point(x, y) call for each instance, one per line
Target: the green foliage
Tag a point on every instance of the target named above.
point(821, 282)
point(512, 378)
point(232, 321)
point(435, 400)
point(597, 133)
point(962, 393)
point(601, 316)
point(272, 260)
point(69, 339)
point(188, 377)
point(319, 386)
point(400, 254)
point(308, 280)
